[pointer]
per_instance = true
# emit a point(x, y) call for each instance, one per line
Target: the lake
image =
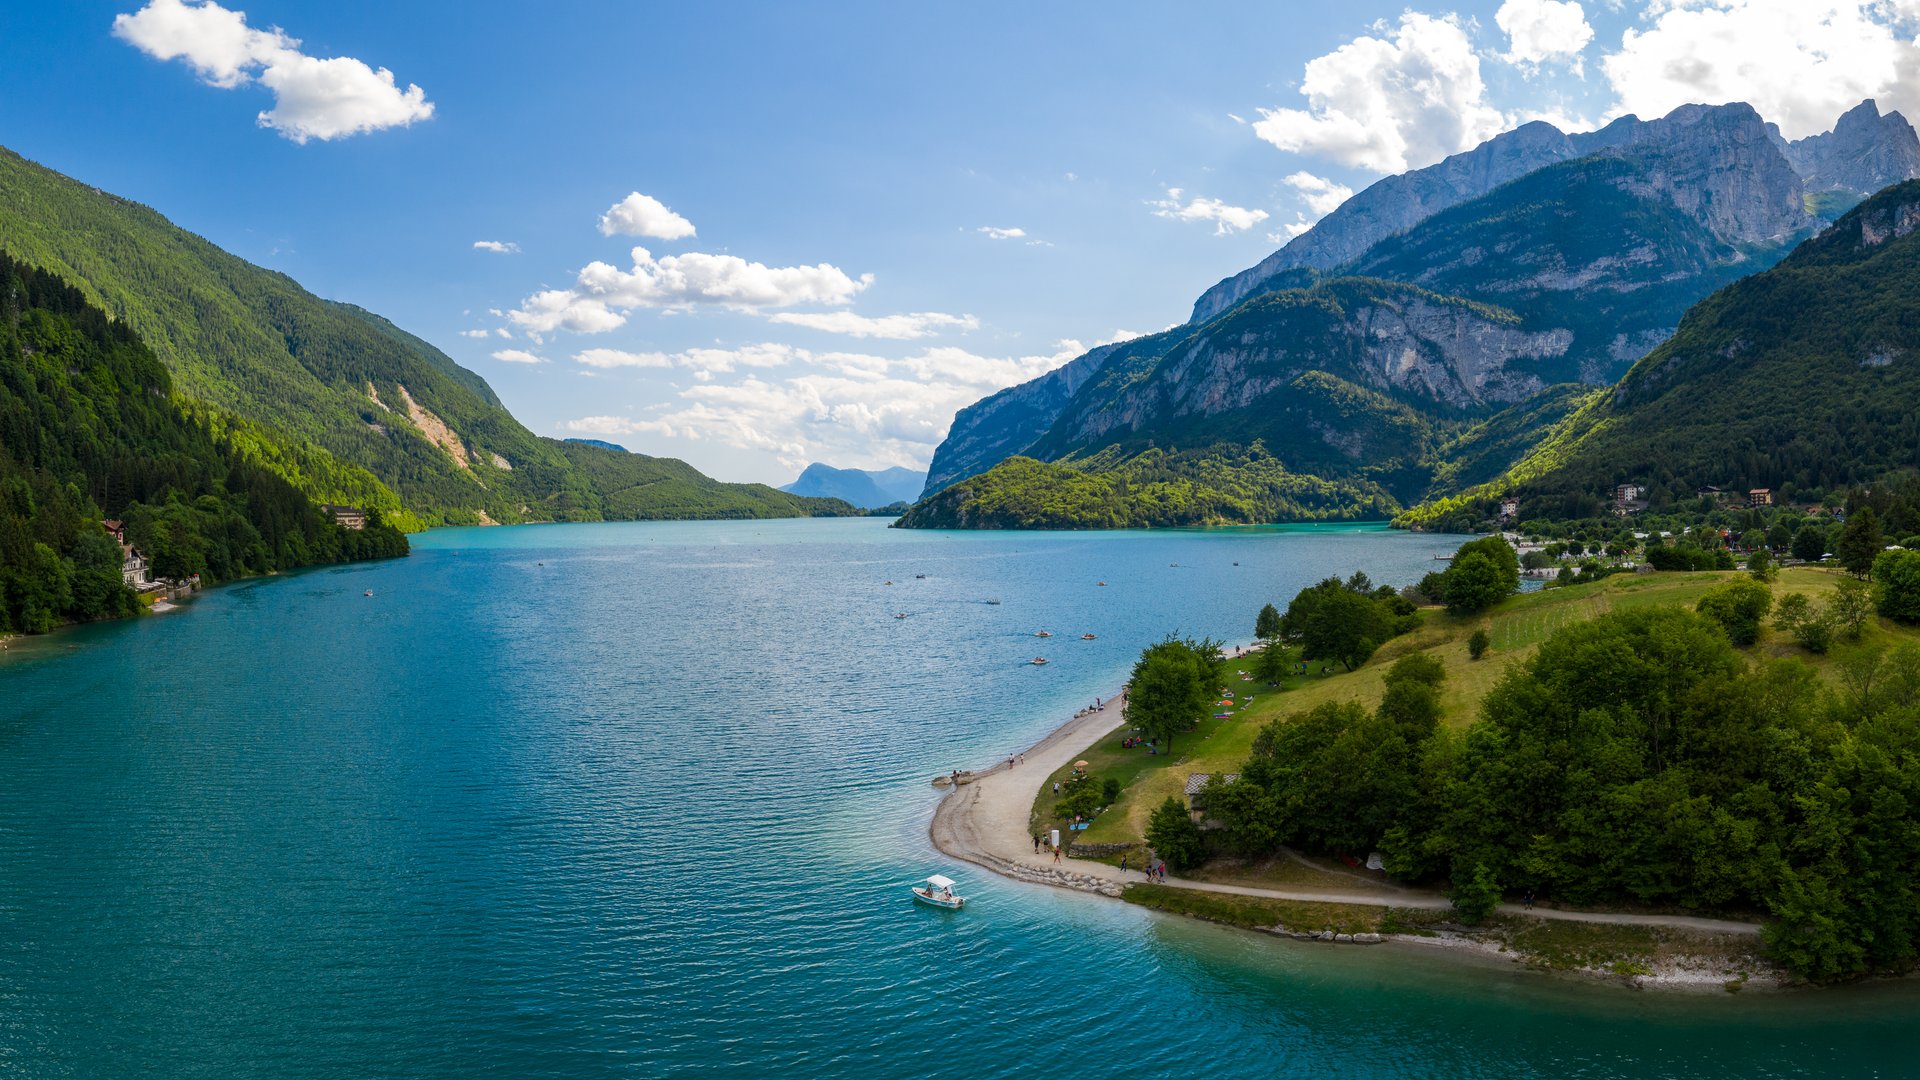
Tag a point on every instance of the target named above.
point(644, 800)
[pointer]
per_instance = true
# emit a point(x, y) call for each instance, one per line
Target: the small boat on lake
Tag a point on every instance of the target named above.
point(937, 891)
point(1088, 637)
point(1043, 633)
point(1101, 584)
point(994, 601)
point(1038, 661)
point(369, 592)
point(902, 615)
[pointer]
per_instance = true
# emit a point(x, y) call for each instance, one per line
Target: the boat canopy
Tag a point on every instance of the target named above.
point(939, 882)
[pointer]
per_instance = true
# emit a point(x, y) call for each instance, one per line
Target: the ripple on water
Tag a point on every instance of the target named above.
point(651, 808)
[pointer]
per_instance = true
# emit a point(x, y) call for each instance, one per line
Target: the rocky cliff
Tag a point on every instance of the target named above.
point(1865, 151)
point(1005, 423)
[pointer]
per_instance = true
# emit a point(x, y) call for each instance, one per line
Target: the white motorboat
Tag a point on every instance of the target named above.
point(937, 891)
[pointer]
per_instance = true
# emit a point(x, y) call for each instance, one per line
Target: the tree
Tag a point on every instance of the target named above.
point(1850, 606)
point(1896, 585)
point(1738, 606)
point(1266, 626)
point(1810, 543)
point(1502, 554)
point(1173, 835)
point(1270, 663)
point(1475, 583)
point(1860, 543)
point(1477, 644)
point(1760, 564)
point(1476, 897)
point(1169, 692)
point(1779, 537)
point(1331, 622)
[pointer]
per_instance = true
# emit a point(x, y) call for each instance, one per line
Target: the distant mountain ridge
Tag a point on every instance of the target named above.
point(340, 402)
point(1567, 273)
point(866, 488)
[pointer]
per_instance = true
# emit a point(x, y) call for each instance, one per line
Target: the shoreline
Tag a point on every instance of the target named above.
point(986, 821)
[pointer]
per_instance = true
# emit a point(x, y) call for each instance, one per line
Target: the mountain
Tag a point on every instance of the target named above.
point(1800, 379)
point(343, 404)
point(861, 487)
point(1568, 273)
point(1002, 424)
point(1863, 153)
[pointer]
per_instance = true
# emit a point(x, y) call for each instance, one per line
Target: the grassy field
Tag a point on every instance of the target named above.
point(1516, 628)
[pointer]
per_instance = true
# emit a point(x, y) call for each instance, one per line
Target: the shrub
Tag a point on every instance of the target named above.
point(1812, 628)
point(1738, 606)
point(1896, 585)
point(1477, 644)
point(1476, 897)
point(1417, 667)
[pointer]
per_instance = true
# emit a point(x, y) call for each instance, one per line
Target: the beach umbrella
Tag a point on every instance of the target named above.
point(1079, 764)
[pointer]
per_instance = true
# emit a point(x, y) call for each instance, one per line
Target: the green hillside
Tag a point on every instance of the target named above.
point(1802, 379)
point(89, 430)
point(340, 402)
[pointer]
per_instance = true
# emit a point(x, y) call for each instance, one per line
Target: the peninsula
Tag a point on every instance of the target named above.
point(1266, 806)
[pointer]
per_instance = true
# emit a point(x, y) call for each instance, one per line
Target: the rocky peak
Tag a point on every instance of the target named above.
point(1865, 151)
point(1700, 145)
point(1398, 203)
point(1720, 165)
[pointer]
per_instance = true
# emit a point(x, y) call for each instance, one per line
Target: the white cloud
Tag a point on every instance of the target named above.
point(802, 406)
point(1002, 234)
point(1290, 229)
point(644, 215)
point(617, 358)
point(602, 293)
point(1540, 31)
point(698, 359)
point(517, 356)
point(314, 98)
point(1390, 103)
point(476, 333)
point(1226, 219)
point(1800, 63)
point(1321, 195)
point(499, 247)
point(919, 324)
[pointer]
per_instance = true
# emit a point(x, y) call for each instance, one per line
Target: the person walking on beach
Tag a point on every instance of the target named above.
point(1123, 868)
point(1056, 854)
point(1036, 843)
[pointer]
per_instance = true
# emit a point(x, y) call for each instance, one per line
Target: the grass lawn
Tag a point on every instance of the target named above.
point(1516, 627)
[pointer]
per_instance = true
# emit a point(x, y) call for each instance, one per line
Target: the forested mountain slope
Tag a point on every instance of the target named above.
point(1805, 377)
point(346, 406)
point(89, 430)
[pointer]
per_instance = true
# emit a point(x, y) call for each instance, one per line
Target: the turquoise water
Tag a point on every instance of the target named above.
point(643, 800)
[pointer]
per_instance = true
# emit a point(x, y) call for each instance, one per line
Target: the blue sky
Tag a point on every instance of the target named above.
point(839, 169)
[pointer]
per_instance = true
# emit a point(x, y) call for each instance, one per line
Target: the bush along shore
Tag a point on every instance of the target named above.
point(1616, 777)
